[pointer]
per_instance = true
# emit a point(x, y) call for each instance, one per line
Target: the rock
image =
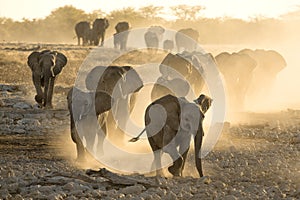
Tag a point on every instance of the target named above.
point(39, 116)
point(61, 115)
point(19, 130)
point(295, 140)
point(2, 103)
point(8, 88)
point(205, 180)
point(171, 196)
point(29, 122)
point(22, 105)
point(230, 197)
point(13, 116)
point(18, 197)
point(136, 189)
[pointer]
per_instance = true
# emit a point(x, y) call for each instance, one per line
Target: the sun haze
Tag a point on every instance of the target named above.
point(31, 9)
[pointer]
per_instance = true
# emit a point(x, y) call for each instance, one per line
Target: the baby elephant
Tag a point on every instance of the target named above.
point(170, 123)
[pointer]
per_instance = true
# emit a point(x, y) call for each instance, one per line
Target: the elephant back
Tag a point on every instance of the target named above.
point(100, 24)
point(82, 28)
point(175, 62)
point(122, 26)
point(171, 106)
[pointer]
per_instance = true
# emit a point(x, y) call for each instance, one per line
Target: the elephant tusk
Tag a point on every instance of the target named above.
point(52, 72)
point(54, 62)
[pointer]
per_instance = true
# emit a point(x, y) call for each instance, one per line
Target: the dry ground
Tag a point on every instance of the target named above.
point(256, 158)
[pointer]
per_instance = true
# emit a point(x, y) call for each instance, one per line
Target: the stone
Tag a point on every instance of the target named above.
point(29, 122)
point(136, 189)
point(22, 105)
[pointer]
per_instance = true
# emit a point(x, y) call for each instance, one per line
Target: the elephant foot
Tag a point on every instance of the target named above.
point(39, 99)
point(176, 168)
point(173, 170)
point(48, 106)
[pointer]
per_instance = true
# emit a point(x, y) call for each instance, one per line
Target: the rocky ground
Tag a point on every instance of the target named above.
point(257, 158)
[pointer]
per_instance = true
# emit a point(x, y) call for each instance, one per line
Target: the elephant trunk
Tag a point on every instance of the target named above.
point(48, 93)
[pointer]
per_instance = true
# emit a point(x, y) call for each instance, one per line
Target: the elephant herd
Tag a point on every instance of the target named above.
point(185, 39)
point(170, 119)
point(92, 35)
point(248, 73)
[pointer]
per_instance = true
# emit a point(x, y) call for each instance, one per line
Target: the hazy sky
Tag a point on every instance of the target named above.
point(18, 9)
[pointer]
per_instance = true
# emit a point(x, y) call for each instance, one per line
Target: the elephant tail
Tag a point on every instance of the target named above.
point(137, 137)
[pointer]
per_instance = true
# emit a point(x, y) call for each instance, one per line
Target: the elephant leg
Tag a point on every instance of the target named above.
point(170, 147)
point(184, 155)
point(124, 41)
point(116, 40)
point(49, 92)
point(78, 41)
point(102, 39)
point(75, 137)
point(36, 78)
point(176, 168)
point(198, 143)
point(156, 164)
point(102, 133)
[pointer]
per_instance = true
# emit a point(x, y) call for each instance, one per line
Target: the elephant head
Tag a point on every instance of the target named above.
point(122, 26)
point(99, 27)
point(237, 69)
point(185, 66)
point(269, 64)
point(186, 39)
point(45, 66)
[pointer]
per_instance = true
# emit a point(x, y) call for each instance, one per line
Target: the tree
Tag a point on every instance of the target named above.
point(185, 12)
point(151, 11)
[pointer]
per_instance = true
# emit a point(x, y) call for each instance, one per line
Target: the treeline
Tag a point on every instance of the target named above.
point(58, 27)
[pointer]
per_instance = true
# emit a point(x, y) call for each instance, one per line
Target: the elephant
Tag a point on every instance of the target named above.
point(113, 88)
point(121, 35)
point(171, 68)
point(170, 122)
point(269, 64)
point(153, 36)
point(83, 31)
point(45, 66)
point(186, 39)
point(237, 69)
point(99, 27)
point(81, 105)
point(168, 45)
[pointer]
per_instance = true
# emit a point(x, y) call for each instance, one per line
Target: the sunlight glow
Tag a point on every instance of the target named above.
point(243, 9)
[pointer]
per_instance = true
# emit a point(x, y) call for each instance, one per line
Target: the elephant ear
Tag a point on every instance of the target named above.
point(93, 77)
point(106, 23)
point(33, 60)
point(60, 61)
point(132, 81)
point(204, 102)
point(103, 102)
